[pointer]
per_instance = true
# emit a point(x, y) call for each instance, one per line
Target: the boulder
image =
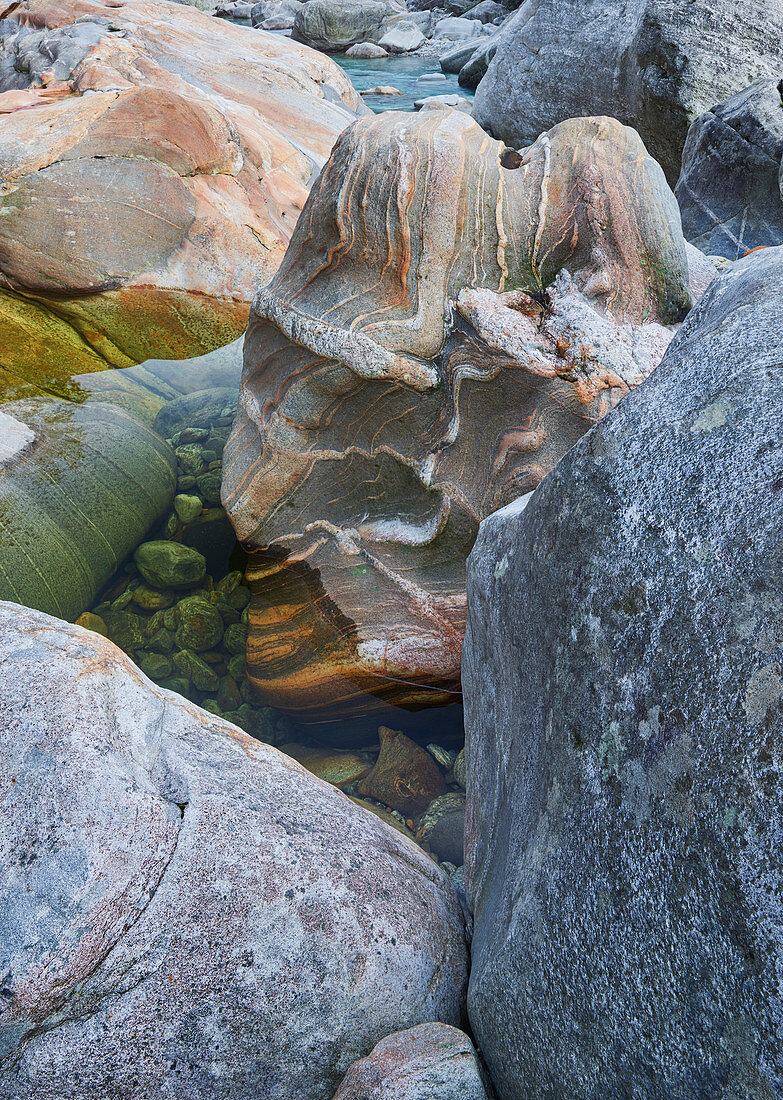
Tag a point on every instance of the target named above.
point(456, 27)
point(729, 188)
point(668, 63)
point(334, 25)
point(501, 321)
point(366, 51)
point(141, 205)
point(280, 12)
point(450, 102)
point(428, 1062)
point(186, 911)
point(453, 60)
point(80, 486)
point(475, 66)
point(488, 11)
point(622, 678)
point(403, 37)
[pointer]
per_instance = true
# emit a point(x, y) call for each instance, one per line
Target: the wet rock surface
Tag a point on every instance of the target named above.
point(624, 721)
point(453, 383)
point(208, 916)
point(78, 489)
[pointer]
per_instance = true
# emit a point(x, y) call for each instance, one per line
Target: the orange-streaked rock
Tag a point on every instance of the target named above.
point(167, 165)
point(449, 319)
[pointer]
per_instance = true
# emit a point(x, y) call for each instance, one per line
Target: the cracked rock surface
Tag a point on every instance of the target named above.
point(185, 911)
point(624, 735)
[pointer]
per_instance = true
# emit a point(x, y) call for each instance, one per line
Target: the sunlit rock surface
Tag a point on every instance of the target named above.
point(450, 317)
point(624, 725)
point(152, 182)
point(186, 911)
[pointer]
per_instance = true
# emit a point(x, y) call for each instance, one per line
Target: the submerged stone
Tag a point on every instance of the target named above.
point(170, 564)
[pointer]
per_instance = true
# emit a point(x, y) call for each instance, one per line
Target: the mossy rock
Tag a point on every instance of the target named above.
point(82, 486)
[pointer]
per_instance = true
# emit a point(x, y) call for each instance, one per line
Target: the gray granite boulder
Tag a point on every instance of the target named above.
point(729, 188)
point(403, 37)
point(334, 25)
point(623, 689)
point(184, 911)
point(428, 1062)
point(652, 64)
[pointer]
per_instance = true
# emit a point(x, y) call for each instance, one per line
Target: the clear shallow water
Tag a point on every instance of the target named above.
point(404, 73)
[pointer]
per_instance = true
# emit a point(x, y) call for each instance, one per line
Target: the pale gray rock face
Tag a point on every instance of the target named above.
point(653, 64)
point(622, 677)
point(185, 911)
point(403, 37)
point(729, 188)
point(428, 1062)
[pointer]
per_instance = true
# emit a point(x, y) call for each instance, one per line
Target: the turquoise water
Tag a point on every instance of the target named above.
point(406, 73)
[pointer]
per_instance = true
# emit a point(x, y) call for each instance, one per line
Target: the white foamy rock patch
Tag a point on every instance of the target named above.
point(186, 910)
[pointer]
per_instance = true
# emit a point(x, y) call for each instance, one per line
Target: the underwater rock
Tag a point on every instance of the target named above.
point(651, 64)
point(442, 828)
point(186, 910)
point(170, 564)
point(337, 768)
point(81, 486)
point(428, 1062)
point(141, 206)
point(434, 341)
point(624, 735)
point(404, 776)
point(200, 624)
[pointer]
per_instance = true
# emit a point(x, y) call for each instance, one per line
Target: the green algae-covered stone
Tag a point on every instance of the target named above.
point(196, 671)
point(80, 485)
point(200, 624)
point(170, 564)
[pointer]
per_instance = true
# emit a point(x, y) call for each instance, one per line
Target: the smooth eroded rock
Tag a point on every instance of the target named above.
point(624, 735)
point(433, 343)
point(151, 184)
point(184, 909)
point(80, 485)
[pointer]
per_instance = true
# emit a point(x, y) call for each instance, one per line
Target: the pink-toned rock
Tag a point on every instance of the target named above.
point(187, 912)
point(428, 1062)
point(153, 164)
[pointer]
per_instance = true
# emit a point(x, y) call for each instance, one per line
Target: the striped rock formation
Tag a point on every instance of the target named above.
point(449, 318)
point(153, 163)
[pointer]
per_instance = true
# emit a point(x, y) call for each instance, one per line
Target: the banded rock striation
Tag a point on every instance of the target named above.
point(449, 318)
point(186, 911)
point(653, 64)
point(154, 161)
